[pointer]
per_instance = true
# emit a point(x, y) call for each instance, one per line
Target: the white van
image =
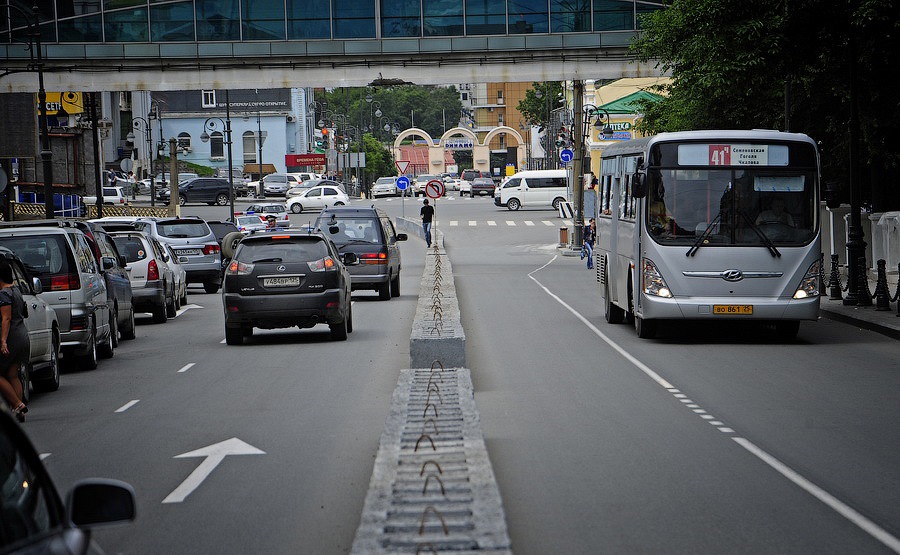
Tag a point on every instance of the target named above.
point(540, 188)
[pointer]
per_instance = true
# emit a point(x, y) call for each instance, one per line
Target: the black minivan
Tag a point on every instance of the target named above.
point(211, 190)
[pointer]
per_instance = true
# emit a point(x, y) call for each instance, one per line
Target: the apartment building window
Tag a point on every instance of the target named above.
point(500, 96)
point(464, 96)
point(499, 119)
point(209, 99)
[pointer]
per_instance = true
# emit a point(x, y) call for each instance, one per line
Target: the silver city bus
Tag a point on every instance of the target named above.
point(710, 225)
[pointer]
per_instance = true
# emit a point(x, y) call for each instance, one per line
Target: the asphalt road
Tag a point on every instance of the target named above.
point(601, 442)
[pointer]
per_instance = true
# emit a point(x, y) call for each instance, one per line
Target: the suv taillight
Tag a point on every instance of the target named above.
point(211, 249)
point(238, 269)
point(321, 264)
point(152, 271)
point(65, 282)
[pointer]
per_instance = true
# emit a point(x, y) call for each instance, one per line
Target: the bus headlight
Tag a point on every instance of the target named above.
point(652, 283)
point(809, 285)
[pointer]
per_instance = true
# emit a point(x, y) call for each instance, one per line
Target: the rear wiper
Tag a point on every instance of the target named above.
point(703, 236)
point(763, 237)
point(274, 259)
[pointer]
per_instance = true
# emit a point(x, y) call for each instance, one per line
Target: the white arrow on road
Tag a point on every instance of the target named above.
point(187, 307)
point(214, 455)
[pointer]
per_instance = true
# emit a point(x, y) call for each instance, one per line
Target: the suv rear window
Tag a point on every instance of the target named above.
point(278, 250)
point(132, 248)
point(43, 256)
point(182, 229)
point(353, 230)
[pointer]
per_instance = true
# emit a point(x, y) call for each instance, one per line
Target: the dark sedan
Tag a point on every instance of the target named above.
point(483, 186)
point(287, 279)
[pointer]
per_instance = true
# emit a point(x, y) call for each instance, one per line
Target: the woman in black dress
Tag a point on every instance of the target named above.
point(15, 347)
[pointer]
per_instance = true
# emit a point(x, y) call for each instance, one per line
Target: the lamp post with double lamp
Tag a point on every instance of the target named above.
point(582, 121)
point(210, 125)
point(34, 46)
point(142, 125)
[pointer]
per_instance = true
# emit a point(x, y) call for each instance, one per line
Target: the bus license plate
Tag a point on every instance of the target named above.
point(732, 309)
point(290, 281)
point(188, 252)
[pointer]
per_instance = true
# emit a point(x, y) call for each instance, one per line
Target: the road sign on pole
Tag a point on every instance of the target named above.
point(402, 182)
point(434, 188)
point(566, 155)
point(402, 165)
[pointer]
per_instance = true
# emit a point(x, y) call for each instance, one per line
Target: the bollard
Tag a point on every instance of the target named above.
point(563, 236)
point(882, 293)
point(863, 294)
point(834, 281)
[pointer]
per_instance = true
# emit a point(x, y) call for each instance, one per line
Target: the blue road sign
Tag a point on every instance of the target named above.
point(402, 182)
point(566, 155)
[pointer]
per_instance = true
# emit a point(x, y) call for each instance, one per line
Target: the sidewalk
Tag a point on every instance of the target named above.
point(885, 322)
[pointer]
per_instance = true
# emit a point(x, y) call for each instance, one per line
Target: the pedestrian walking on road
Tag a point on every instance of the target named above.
point(427, 214)
point(587, 249)
point(15, 347)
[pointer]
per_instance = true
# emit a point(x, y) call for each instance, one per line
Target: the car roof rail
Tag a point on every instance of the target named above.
point(39, 223)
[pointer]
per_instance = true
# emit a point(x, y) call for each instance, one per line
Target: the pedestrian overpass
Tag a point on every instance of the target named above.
point(215, 44)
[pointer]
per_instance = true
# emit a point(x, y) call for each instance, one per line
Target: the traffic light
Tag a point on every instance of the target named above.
point(562, 140)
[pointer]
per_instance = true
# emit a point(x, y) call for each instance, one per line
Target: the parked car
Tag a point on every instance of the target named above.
point(370, 234)
point(246, 224)
point(152, 281)
point(111, 195)
point(481, 186)
point(263, 210)
point(35, 520)
point(317, 198)
point(42, 368)
point(384, 187)
point(211, 190)
point(298, 189)
point(194, 243)
point(180, 275)
point(305, 176)
point(237, 180)
point(451, 183)
point(118, 284)
point(281, 280)
point(465, 180)
point(418, 186)
point(162, 179)
point(274, 184)
point(60, 256)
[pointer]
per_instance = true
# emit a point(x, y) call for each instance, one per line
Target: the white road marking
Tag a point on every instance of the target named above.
point(568, 222)
point(547, 222)
point(187, 367)
point(510, 223)
point(491, 223)
point(45, 455)
point(841, 508)
point(472, 223)
point(847, 512)
point(128, 405)
point(213, 455)
point(454, 223)
point(529, 222)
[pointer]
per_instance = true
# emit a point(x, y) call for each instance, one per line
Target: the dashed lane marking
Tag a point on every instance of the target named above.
point(128, 405)
point(187, 367)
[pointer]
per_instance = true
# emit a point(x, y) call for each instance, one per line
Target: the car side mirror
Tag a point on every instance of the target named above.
point(350, 259)
point(108, 263)
point(639, 185)
point(402, 237)
point(99, 502)
point(36, 285)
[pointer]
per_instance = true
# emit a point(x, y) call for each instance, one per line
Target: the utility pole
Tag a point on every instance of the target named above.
point(578, 161)
point(174, 201)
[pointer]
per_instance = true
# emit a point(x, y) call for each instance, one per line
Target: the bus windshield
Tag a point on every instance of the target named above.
point(733, 206)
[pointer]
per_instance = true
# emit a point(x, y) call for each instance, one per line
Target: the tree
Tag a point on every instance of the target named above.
point(733, 63)
point(539, 101)
point(379, 159)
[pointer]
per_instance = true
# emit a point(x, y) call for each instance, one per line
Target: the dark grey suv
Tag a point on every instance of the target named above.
point(211, 190)
point(286, 279)
point(369, 233)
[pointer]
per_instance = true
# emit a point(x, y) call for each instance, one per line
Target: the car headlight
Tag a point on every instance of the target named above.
point(809, 285)
point(652, 282)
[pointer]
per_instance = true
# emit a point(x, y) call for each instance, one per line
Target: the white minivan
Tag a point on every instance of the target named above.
point(532, 188)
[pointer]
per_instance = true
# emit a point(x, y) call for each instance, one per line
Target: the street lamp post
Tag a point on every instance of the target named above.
point(137, 122)
point(210, 125)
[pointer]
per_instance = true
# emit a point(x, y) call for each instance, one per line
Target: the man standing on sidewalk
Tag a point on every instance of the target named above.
point(427, 214)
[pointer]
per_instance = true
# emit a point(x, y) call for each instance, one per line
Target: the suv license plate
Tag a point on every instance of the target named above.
point(188, 252)
point(290, 281)
point(732, 309)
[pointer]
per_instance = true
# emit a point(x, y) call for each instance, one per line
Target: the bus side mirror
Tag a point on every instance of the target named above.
point(639, 185)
